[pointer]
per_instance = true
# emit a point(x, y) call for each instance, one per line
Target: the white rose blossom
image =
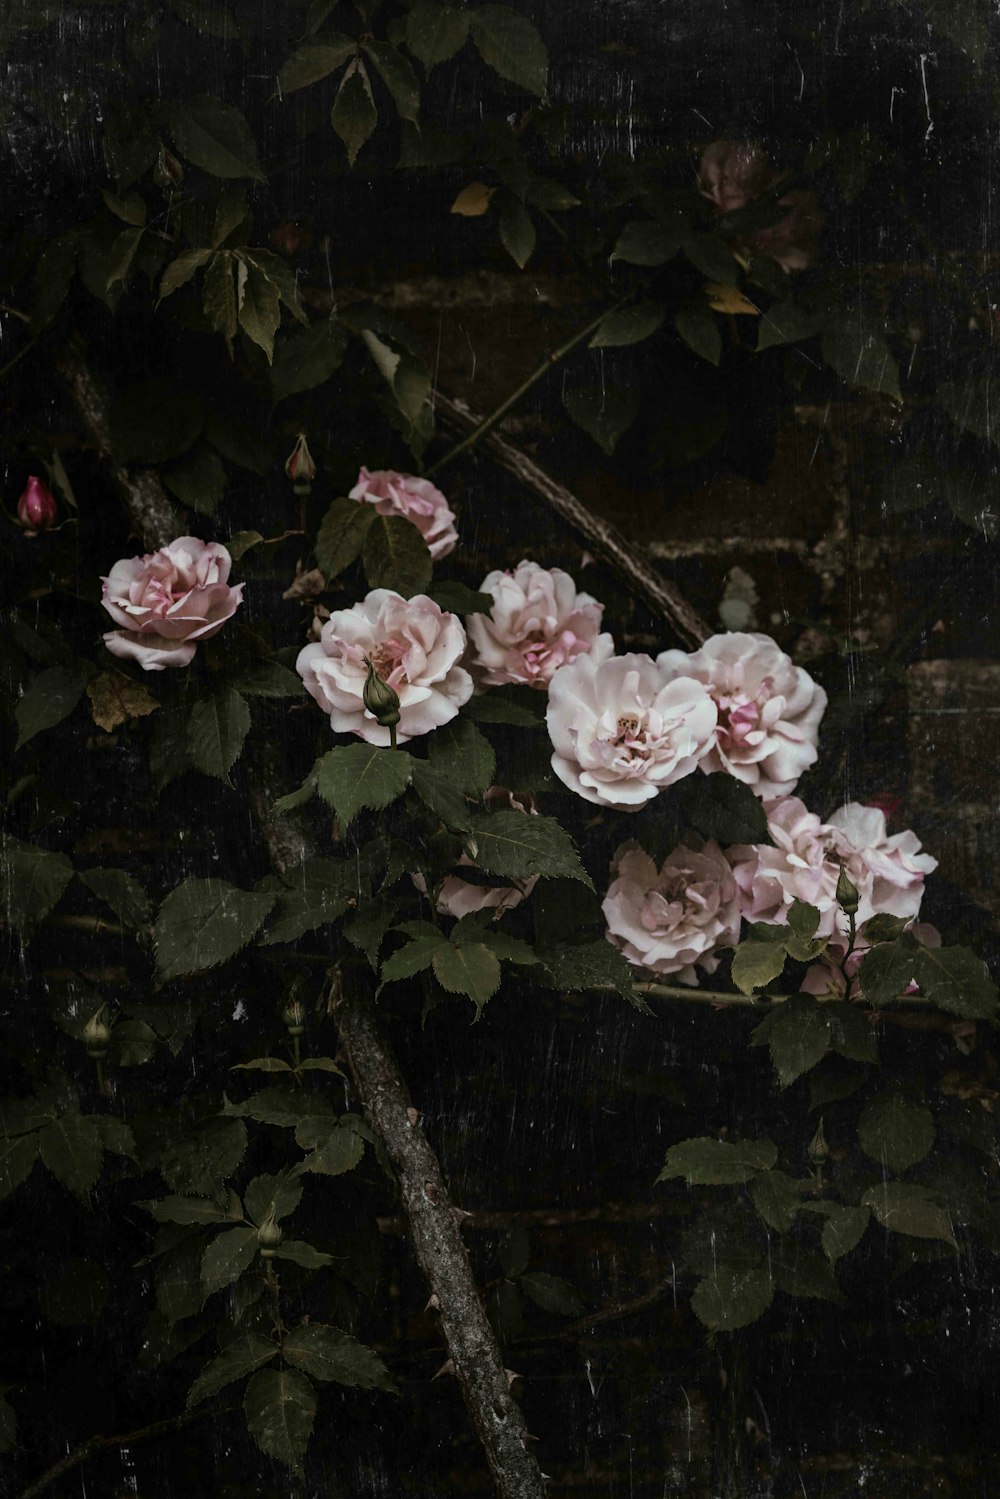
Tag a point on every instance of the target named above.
point(769, 709)
point(672, 920)
point(412, 644)
point(807, 857)
point(538, 623)
point(621, 731)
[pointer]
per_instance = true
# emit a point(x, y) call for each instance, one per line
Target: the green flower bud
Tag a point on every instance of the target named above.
point(818, 1149)
point(269, 1236)
point(97, 1035)
point(294, 1016)
point(381, 700)
point(847, 893)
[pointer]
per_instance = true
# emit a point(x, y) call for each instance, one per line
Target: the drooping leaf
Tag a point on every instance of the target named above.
point(355, 776)
point(445, 799)
point(908, 1209)
point(180, 270)
point(259, 310)
point(306, 359)
point(777, 1198)
point(226, 1257)
point(628, 325)
point(32, 882)
point(218, 295)
point(280, 1406)
point(434, 33)
point(216, 137)
point(720, 807)
point(190, 1210)
point(342, 534)
point(398, 76)
point(302, 1254)
point(470, 969)
point(198, 479)
point(516, 846)
point(354, 115)
point(202, 923)
point(456, 598)
point(315, 61)
point(895, 1130)
point(217, 728)
point(732, 1298)
point(517, 231)
point(331, 1355)
point(201, 1160)
point(123, 253)
point(72, 1148)
point(706, 1162)
point(697, 326)
point(367, 930)
point(799, 1271)
point(843, 1231)
point(605, 412)
point(396, 556)
point(589, 965)
point(247, 1352)
point(122, 892)
point(510, 44)
point(18, 1155)
point(317, 894)
point(647, 243)
point(788, 323)
point(267, 679)
point(49, 698)
point(856, 349)
point(956, 980)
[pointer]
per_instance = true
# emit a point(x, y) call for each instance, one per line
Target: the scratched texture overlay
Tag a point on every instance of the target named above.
point(812, 454)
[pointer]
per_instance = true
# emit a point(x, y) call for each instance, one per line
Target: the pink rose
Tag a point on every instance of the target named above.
point(538, 623)
point(672, 920)
point(412, 644)
point(732, 173)
point(807, 858)
point(621, 730)
point(415, 499)
point(168, 601)
point(37, 509)
point(769, 709)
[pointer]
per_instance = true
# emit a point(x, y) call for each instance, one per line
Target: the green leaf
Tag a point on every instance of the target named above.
point(517, 232)
point(32, 881)
point(803, 919)
point(396, 556)
point(895, 1131)
point(317, 893)
point(202, 923)
point(214, 136)
point(411, 959)
point(605, 412)
point(269, 679)
point(217, 729)
point(247, 1352)
point(843, 1231)
point(971, 404)
point(732, 1298)
point(515, 846)
point(198, 479)
point(697, 325)
point(501, 705)
point(755, 964)
point(272, 1197)
point(306, 359)
point(17, 1157)
point(342, 534)
point(551, 1293)
point(507, 949)
point(354, 115)
point(852, 1034)
point(956, 980)
point(123, 253)
point(301, 795)
point(705, 1162)
point(887, 970)
point(787, 323)
point(798, 1271)
point(49, 698)
point(329, 1354)
point(398, 76)
point(855, 348)
point(367, 930)
point(911, 1210)
point(180, 270)
point(434, 33)
point(441, 795)
point(355, 776)
point(455, 598)
point(315, 61)
point(510, 45)
point(341, 1151)
point(645, 242)
point(226, 1258)
point(283, 1105)
point(471, 969)
point(712, 256)
point(777, 1198)
point(218, 296)
point(628, 325)
point(590, 965)
point(259, 310)
point(72, 1149)
point(128, 207)
point(168, 752)
point(280, 1406)
point(799, 1034)
point(722, 808)
point(189, 1210)
point(302, 1254)
point(202, 1160)
point(281, 276)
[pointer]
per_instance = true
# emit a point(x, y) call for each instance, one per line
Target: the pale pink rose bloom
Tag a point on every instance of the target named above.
point(672, 919)
point(168, 601)
point(891, 867)
point(417, 500)
point(769, 709)
point(732, 174)
point(621, 731)
point(412, 644)
point(538, 623)
point(458, 897)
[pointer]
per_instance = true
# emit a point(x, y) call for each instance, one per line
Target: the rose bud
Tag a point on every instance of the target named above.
point(269, 1236)
point(97, 1035)
point(294, 1017)
point(168, 172)
point(848, 898)
point(290, 238)
point(37, 509)
point(301, 466)
point(381, 700)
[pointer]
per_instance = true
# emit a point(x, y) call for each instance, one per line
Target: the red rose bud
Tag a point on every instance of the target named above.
point(168, 171)
point(37, 509)
point(290, 238)
point(301, 466)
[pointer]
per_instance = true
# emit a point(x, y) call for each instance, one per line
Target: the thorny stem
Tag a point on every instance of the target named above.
point(497, 416)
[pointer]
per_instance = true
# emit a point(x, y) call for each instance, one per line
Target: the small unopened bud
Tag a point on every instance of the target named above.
point(37, 509)
point(301, 466)
point(97, 1035)
point(168, 172)
point(269, 1236)
point(294, 1017)
point(818, 1149)
point(847, 893)
point(381, 700)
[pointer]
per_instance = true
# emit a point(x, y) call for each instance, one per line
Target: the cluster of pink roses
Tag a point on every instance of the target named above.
point(672, 919)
